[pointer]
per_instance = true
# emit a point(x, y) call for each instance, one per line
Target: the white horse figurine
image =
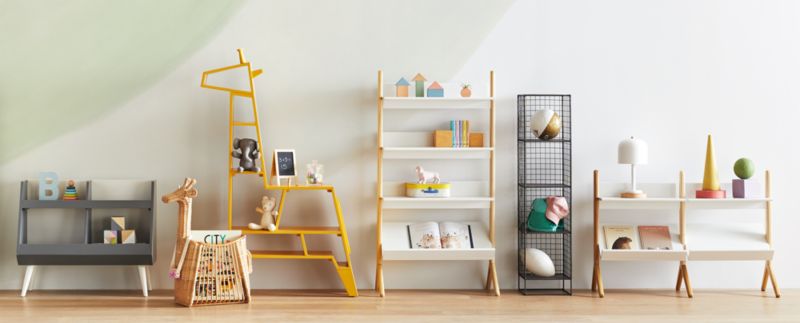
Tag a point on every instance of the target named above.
point(424, 177)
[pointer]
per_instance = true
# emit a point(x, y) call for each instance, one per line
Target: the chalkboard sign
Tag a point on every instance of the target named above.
point(283, 164)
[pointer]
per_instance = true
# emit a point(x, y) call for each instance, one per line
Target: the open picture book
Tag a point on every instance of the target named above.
point(443, 235)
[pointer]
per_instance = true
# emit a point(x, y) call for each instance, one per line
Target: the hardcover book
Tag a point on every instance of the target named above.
point(620, 237)
point(655, 237)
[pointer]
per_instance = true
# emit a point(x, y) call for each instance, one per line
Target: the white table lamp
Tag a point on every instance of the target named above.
point(634, 152)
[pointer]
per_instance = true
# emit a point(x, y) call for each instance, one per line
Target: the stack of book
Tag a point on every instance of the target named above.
point(460, 130)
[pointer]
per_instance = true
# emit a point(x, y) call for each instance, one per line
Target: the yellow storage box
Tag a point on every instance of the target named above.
point(428, 190)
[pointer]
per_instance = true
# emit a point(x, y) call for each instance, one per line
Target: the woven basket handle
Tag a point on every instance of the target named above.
point(249, 262)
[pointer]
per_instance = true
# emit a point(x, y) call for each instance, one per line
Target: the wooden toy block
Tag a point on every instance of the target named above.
point(476, 139)
point(401, 87)
point(117, 223)
point(435, 90)
point(442, 138)
point(419, 85)
point(128, 236)
point(110, 236)
point(746, 188)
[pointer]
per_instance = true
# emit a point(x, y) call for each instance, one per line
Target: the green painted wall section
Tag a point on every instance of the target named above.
point(64, 63)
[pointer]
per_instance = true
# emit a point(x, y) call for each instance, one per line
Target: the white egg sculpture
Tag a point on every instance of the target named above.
point(545, 124)
point(539, 263)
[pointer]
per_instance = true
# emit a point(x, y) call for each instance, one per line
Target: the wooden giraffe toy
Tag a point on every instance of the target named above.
point(183, 196)
point(206, 273)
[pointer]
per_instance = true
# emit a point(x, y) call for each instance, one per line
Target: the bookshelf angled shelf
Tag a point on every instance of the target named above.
point(396, 245)
point(392, 237)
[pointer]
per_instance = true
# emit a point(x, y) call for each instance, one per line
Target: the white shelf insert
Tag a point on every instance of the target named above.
point(435, 153)
point(436, 202)
point(676, 254)
point(727, 241)
point(395, 244)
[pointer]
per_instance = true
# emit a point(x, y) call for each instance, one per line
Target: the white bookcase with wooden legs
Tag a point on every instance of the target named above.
point(691, 240)
point(392, 237)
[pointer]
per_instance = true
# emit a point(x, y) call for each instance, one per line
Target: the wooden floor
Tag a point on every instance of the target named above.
point(408, 306)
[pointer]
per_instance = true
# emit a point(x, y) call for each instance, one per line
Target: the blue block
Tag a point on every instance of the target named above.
point(436, 93)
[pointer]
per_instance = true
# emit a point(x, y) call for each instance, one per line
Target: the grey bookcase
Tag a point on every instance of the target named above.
point(90, 252)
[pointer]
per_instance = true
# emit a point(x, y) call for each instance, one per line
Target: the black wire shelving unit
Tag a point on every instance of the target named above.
point(544, 169)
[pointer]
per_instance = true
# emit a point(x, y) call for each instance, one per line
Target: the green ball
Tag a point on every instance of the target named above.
point(744, 168)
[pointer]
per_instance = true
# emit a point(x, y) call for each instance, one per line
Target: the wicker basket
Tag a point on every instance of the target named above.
point(213, 274)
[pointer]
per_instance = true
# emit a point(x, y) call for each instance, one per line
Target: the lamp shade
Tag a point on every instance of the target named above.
point(632, 151)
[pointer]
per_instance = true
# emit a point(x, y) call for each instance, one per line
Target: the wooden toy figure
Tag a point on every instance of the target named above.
point(419, 85)
point(466, 90)
point(435, 90)
point(401, 87)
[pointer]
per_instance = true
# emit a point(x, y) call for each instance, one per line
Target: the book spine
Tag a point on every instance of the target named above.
point(453, 132)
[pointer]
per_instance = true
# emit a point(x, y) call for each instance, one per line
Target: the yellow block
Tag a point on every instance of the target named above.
point(710, 178)
point(442, 138)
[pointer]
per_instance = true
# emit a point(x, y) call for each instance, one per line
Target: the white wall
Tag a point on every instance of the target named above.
point(669, 72)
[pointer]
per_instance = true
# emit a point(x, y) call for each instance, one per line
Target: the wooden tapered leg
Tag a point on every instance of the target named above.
point(680, 278)
point(600, 289)
point(379, 280)
point(689, 291)
point(594, 279)
point(766, 277)
point(493, 273)
point(773, 280)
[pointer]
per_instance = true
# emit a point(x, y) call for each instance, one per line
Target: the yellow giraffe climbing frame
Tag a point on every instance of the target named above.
point(343, 268)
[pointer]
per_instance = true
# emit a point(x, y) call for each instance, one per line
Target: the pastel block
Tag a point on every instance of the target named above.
point(435, 93)
point(110, 236)
point(476, 139)
point(710, 194)
point(746, 188)
point(442, 138)
point(117, 223)
point(128, 236)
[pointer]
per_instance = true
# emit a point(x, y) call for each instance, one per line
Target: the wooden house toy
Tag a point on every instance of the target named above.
point(401, 87)
point(435, 90)
point(419, 85)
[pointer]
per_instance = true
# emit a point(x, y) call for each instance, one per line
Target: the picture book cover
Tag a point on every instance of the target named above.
point(444, 235)
point(655, 237)
point(620, 237)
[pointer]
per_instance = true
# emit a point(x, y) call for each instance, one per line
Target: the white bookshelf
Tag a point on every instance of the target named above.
point(393, 243)
point(396, 245)
point(693, 240)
